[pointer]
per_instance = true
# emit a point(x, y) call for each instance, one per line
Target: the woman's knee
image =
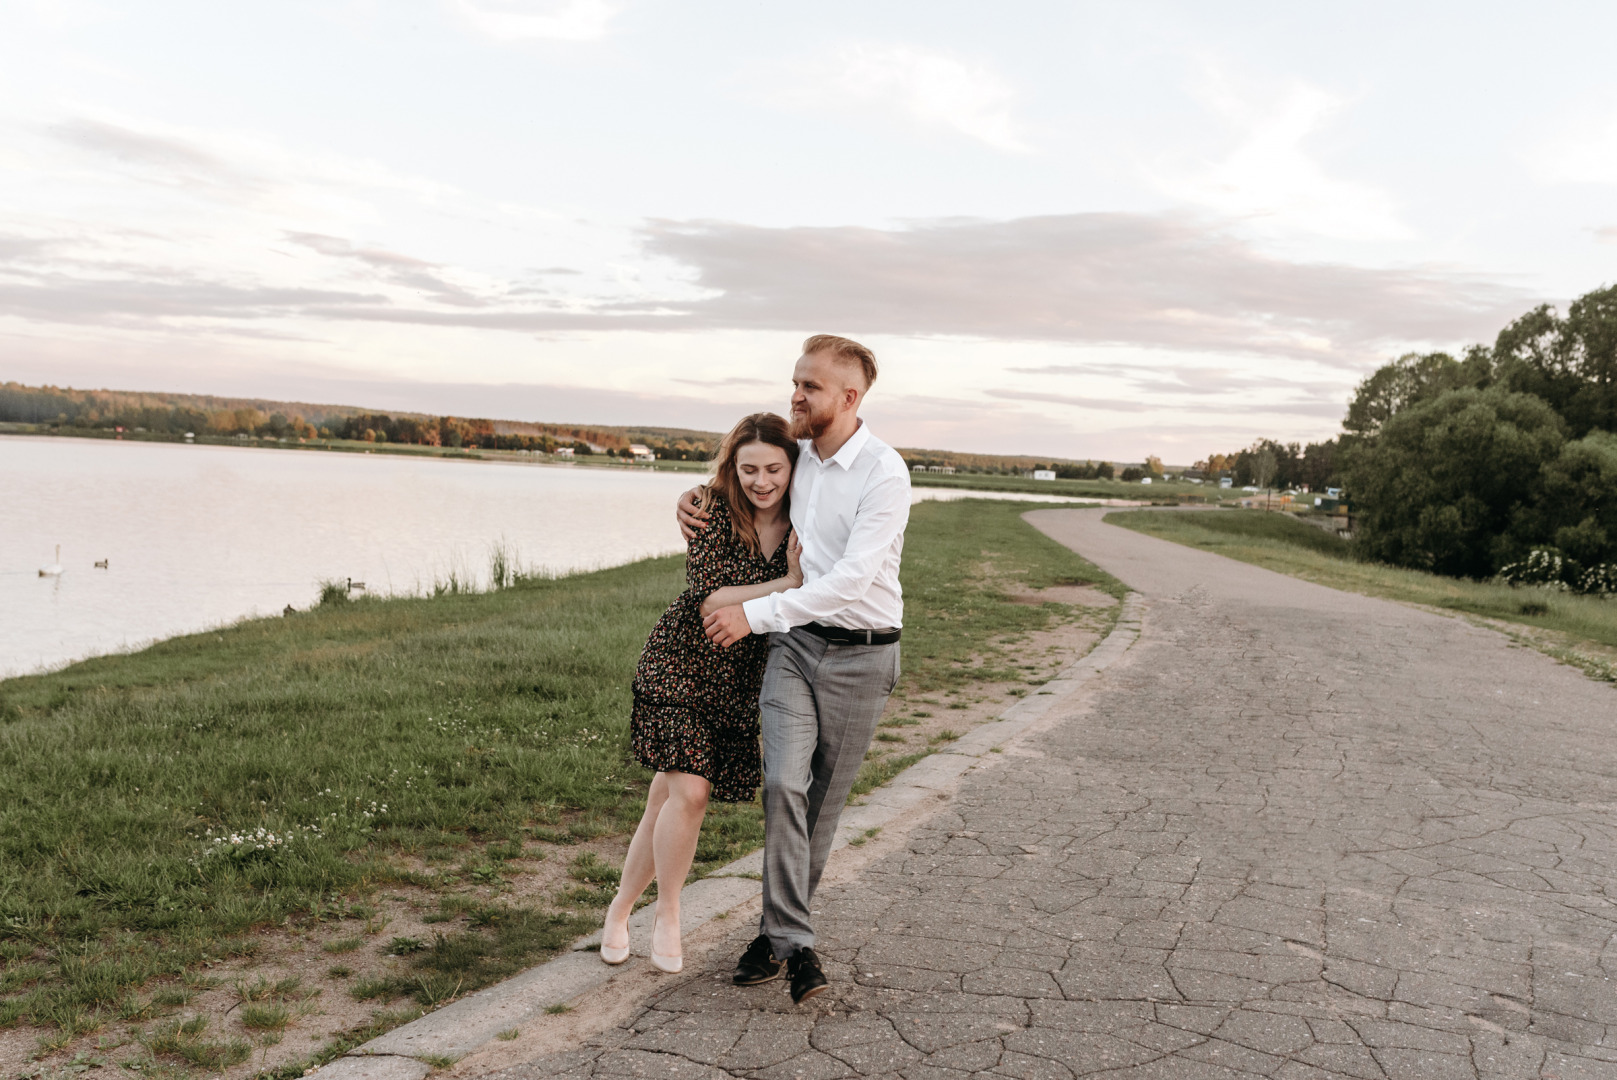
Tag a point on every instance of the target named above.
point(688, 789)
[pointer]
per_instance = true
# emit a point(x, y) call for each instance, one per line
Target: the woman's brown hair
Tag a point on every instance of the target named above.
point(761, 427)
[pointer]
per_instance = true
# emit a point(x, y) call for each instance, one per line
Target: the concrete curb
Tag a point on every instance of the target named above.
point(469, 1024)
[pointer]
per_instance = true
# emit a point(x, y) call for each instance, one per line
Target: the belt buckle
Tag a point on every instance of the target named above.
point(868, 636)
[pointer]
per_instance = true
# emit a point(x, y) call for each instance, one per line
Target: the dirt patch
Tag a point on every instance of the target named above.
point(1075, 595)
point(311, 971)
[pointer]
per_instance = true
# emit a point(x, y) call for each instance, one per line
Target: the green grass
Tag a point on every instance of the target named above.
point(1281, 543)
point(158, 808)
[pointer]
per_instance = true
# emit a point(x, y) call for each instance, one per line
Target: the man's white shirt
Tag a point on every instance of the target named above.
point(849, 511)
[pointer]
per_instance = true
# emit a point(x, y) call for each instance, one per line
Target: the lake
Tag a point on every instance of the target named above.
point(198, 536)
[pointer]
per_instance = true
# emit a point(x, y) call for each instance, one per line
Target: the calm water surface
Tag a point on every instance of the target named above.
point(197, 536)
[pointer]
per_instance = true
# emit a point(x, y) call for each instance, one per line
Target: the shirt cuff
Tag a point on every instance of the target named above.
point(762, 616)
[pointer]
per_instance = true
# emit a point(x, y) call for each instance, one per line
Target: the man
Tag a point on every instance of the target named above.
point(833, 657)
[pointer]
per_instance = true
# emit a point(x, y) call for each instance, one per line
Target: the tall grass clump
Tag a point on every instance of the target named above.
point(503, 565)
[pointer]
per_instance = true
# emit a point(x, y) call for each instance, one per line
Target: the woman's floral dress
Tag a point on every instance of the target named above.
point(695, 704)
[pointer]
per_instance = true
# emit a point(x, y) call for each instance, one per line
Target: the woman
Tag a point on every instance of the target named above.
point(695, 717)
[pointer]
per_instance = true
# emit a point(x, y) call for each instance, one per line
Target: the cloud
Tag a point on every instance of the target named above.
point(1271, 175)
point(1160, 282)
point(1101, 404)
point(1105, 278)
point(176, 159)
point(554, 20)
point(55, 297)
point(734, 380)
point(393, 268)
point(1606, 234)
point(933, 88)
point(1199, 381)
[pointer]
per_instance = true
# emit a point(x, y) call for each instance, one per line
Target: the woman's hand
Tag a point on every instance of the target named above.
point(692, 518)
point(794, 561)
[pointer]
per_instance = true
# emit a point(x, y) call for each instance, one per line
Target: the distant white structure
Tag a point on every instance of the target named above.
point(1145, 479)
point(53, 569)
point(1225, 482)
point(564, 451)
point(641, 453)
point(1044, 474)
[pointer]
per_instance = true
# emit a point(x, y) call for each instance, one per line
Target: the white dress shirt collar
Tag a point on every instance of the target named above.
point(848, 451)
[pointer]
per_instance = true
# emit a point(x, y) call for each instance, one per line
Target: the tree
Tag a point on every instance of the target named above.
point(1449, 484)
point(1579, 506)
point(1317, 467)
point(1570, 363)
point(1264, 464)
point(1153, 466)
point(1409, 380)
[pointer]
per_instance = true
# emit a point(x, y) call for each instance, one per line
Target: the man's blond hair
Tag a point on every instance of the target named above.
point(845, 350)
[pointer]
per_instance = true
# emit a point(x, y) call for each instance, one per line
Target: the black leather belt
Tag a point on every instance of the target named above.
point(836, 635)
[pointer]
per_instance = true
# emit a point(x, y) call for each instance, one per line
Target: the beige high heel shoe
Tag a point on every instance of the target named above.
point(671, 964)
point(614, 957)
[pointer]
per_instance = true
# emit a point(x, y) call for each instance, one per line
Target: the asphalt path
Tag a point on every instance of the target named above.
point(1294, 833)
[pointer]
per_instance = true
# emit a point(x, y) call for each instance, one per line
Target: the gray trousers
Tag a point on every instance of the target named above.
point(820, 705)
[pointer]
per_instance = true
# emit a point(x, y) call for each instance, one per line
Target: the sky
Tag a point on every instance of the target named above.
point(1069, 229)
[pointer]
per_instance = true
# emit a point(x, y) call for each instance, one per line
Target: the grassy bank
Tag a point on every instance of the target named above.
point(164, 810)
point(1580, 629)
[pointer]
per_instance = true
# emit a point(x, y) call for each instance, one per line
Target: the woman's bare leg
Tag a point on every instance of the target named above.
point(639, 867)
point(679, 824)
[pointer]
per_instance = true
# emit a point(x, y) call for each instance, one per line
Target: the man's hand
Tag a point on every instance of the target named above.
point(726, 626)
point(692, 519)
point(794, 559)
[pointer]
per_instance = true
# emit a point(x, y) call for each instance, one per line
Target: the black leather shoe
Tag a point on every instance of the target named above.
point(757, 964)
point(807, 979)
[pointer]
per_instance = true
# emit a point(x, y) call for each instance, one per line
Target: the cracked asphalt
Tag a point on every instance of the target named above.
point(1293, 833)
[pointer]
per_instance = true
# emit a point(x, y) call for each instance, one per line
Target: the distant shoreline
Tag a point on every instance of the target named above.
point(352, 446)
point(1161, 493)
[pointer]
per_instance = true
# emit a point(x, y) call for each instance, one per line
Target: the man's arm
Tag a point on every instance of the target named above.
point(883, 512)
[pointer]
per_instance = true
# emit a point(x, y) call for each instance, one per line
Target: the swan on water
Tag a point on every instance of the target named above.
point(54, 568)
point(101, 564)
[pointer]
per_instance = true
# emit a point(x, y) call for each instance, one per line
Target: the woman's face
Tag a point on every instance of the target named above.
point(765, 473)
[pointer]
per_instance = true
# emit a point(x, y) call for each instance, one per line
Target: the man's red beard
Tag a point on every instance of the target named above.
point(806, 425)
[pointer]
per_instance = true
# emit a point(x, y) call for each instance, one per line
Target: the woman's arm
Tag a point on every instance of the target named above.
point(740, 594)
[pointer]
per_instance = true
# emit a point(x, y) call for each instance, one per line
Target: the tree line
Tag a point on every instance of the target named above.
point(1499, 462)
point(65, 408)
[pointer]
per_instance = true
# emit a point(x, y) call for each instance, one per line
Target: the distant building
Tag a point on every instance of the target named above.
point(1044, 474)
point(945, 469)
point(564, 451)
point(1145, 479)
point(1226, 482)
point(641, 453)
point(596, 449)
